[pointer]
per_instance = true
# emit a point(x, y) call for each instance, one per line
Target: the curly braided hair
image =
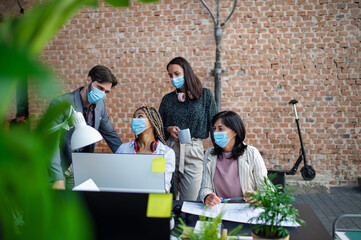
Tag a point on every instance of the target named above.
point(156, 121)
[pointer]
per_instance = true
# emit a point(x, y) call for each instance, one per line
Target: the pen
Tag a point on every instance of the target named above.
point(230, 199)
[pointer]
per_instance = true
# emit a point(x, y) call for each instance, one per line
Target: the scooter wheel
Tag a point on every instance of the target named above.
point(308, 173)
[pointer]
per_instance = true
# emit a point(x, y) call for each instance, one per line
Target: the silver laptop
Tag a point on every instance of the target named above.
point(119, 172)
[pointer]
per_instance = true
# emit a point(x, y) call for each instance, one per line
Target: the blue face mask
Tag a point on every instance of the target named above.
point(221, 138)
point(95, 95)
point(178, 82)
point(138, 125)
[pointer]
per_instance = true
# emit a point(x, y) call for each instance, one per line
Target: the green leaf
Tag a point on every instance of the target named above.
point(277, 205)
point(209, 230)
point(28, 208)
point(17, 65)
point(7, 91)
point(50, 115)
point(118, 3)
point(36, 28)
point(235, 231)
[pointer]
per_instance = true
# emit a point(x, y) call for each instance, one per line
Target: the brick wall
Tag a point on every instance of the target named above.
point(274, 51)
point(11, 9)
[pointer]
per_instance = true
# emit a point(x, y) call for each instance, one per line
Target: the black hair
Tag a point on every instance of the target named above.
point(102, 74)
point(233, 121)
point(192, 82)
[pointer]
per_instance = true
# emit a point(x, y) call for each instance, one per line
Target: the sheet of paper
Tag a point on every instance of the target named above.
point(235, 212)
point(159, 205)
point(88, 185)
point(158, 165)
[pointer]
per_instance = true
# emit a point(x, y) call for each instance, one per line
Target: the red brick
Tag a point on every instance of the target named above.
point(299, 50)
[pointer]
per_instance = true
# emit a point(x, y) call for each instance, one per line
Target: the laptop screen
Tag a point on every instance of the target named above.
point(119, 172)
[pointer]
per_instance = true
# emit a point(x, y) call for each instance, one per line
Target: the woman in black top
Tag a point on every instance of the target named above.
point(189, 106)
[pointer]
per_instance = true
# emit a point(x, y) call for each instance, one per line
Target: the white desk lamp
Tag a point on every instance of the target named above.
point(83, 134)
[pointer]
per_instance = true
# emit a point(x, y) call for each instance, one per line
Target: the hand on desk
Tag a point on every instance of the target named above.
point(212, 200)
point(59, 185)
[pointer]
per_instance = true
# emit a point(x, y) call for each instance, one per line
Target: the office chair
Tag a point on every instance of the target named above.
point(344, 233)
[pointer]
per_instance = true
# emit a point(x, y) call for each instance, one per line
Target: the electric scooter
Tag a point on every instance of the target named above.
point(307, 172)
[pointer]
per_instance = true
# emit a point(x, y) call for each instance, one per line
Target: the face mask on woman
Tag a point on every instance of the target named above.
point(221, 138)
point(178, 82)
point(95, 95)
point(138, 125)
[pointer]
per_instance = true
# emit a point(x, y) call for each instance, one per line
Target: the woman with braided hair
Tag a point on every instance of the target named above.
point(148, 129)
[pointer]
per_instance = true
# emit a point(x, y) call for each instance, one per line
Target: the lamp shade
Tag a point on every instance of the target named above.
point(83, 134)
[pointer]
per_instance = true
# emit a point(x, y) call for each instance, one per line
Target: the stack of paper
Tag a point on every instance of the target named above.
point(88, 185)
point(235, 212)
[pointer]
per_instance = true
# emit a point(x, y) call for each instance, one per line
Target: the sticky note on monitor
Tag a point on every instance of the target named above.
point(158, 165)
point(159, 205)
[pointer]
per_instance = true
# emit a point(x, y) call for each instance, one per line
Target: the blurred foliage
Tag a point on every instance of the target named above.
point(209, 229)
point(28, 208)
point(277, 206)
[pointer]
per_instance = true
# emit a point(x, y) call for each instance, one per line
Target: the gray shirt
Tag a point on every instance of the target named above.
point(61, 160)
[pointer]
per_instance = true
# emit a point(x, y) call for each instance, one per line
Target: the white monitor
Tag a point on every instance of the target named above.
point(119, 172)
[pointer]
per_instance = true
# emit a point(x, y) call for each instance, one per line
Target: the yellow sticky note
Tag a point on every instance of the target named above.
point(159, 205)
point(158, 165)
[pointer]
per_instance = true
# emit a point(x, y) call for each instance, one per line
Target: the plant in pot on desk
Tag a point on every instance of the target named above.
point(210, 230)
point(277, 207)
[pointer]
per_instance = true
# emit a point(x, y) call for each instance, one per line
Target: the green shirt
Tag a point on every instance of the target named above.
point(193, 114)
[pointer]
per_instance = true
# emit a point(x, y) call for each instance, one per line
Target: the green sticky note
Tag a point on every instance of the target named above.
point(159, 205)
point(158, 165)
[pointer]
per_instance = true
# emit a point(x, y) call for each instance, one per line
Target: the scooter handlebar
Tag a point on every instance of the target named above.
point(294, 101)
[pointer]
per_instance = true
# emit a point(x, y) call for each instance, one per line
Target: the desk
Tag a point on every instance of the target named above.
point(119, 215)
point(313, 229)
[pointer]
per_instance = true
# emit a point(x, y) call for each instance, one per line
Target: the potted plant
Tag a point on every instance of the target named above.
point(277, 206)
point(209, 229)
